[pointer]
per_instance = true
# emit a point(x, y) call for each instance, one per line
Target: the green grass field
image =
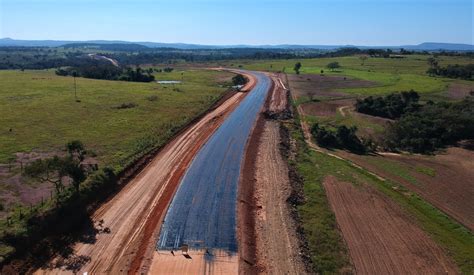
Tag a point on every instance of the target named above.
point(391, 75)
point(40, 109)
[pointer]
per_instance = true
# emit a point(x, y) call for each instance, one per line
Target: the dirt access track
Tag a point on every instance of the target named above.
point(135, 213)
point(277, 243)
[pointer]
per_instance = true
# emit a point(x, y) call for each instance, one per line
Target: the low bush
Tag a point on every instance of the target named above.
point(126, 106)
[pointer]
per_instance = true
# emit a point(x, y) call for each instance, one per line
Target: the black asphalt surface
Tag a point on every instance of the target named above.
point(203, 212)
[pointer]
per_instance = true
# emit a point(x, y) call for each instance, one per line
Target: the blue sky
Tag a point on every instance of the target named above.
point(224, 22)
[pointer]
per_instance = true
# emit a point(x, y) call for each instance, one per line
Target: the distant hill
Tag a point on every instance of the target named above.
point(428, 46)
point(111, 46)
point(432, 46)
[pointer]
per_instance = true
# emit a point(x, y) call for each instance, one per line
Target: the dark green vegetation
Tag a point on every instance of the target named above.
point(344, 138)
point(432, 126)
point(333, 66)
point(297, 67)
point(391, 106)
point(420, 128)
point(239, 80)
point(106, 70)
point(128, 55)
point(465, 72)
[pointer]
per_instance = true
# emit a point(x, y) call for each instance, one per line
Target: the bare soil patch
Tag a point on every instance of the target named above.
point(459, 90)
point(381, 237)
point(324, 86)
point(19, 190)
point(326, 108)
point(445, 180)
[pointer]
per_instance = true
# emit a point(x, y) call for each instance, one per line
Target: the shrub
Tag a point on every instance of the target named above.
point(126, 105)
point(239, 80)
point(152, 98)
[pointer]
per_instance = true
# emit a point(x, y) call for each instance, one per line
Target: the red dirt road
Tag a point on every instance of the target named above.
point(134, 213)
point(381, 237)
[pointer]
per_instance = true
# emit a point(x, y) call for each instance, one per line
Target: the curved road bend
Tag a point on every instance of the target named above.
point(203, 211)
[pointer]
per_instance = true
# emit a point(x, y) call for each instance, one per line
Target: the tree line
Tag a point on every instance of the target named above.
point(465, 72)
point(104, 70)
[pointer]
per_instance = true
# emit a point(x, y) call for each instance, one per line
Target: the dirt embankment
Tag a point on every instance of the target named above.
point(277, 240)
point(268, 239)
point(381, 237)
point(133, 215)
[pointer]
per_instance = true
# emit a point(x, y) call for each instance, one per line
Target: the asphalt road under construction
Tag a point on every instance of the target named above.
point(203, 212)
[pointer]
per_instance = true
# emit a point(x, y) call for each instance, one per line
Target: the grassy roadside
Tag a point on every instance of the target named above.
point(328, 251)
point(319, 222)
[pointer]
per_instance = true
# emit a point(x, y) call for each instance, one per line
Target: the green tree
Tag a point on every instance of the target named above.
point(433, 62)
point(239, 80)
point(333, 65)
point(297, 67)
point(55, 169)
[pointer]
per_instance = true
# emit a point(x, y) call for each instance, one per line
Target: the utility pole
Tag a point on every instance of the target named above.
point(74, 74)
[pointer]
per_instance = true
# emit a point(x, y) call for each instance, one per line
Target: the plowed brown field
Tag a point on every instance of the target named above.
point(381, 237)
point(450, 187)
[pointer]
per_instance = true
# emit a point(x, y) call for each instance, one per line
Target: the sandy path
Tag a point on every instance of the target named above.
point(277, 243)
point(278, 99)
point(381, 237)
point(134, 213)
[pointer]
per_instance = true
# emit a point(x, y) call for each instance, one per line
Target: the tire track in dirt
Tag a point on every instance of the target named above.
point(277, 241)
point(381, 237)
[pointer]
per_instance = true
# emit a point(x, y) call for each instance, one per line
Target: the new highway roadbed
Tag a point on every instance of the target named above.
point(202, 214)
